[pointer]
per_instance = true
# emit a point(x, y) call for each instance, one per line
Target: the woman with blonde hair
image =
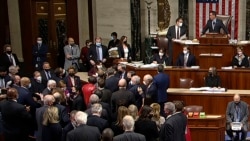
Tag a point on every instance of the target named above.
point(117, 126)
point(133, 111)
point(159, 120)
point(52, 130)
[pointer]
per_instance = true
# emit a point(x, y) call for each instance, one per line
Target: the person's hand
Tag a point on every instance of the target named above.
point(228, 35)
point(68, 56)
point(27, 108)
point(40, 95)
point(92, 62)
point(173, 39)
point(104, 60)
point(154, 62)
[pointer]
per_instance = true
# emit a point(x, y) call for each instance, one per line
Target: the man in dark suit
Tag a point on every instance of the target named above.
point(106, 94)
point(83, 131)
point(186, 59)
point(237, 111)
point(122, 97)
point(36, 84)
point(97, 52)
point(114, 42)
point(129, 134)
point(46, 73)
point(8, 58)
point(137, 91)
point(149, 90)
point(95, 118)
point(71, 80)
point(214, 25)
point(177, 31)
point(51, 84)
point(15, 118)
point(48, 100)
point(5, 80)
point(161, 81)
point(70, 126)
point(175, 125)
point(39, 52)
point(111, 81)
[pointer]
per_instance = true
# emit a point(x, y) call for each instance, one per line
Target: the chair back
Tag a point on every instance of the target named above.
point(186, 82)
point(226, 19)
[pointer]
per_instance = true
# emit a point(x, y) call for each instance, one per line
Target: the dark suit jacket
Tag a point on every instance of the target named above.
point(174, 128)
point(5, 61)
point(7, 78)
point(106, 95)
point(44, 78)
point(190, 62)
point(84, 133)
point(52, 132)
point(172, 32)
point(41, 53)
point(218, 25)
point(163, 60)
point(121, 97)
point(15, 119)
point(161, 81)
point(113, 44)
point(78, 103)
point(46, 91)
point(150, 94)
point(63, 114)
point(39, 119)
point(244, 62)
point(148, 128)
point(66, 129)
point(69, 84)
point(36, 87)
point(138, 97)
point(121, 52)
point(130, 136)
point(111, 83)
point(98, 122)
point(92, 54)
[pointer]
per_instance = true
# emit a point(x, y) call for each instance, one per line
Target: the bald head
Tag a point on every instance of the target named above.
point(128, 123)
point(237, 98)
point(122, 83)
point(25, 81)
point(93, 99)
point(136, 79)
point(147, 79)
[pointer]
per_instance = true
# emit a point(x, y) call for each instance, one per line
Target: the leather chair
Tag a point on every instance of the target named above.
point(226, 19)
point(193, 108)
point(186, 82)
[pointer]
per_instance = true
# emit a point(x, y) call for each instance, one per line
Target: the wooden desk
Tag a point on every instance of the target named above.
point(208, 55)
point(231, 79)
point(213, 103)
point(209, 128)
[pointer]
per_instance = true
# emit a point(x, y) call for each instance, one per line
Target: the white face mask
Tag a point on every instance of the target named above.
point(39, 42)
point(39, 78)
point(185, 52)
point(180, 24)
point(161, 54)
point(99, 67)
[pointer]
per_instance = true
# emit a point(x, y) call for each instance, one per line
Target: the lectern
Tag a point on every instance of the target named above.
point(214, 39)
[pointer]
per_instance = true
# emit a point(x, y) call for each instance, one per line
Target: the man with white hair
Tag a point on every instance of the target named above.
point(83, 132)
point(137, 91)
point(95, 118)
point(129, 134)
point(51, 84)
point(48, 100)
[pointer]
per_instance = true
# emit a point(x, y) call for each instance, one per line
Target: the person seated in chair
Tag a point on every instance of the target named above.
point(186, 59)
point(237, 111)
point(212, 79)
point(214, 24)
point(240, 60)
point(161, 58)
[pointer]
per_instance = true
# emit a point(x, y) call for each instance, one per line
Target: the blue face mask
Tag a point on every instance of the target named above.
point(112, 38)
point(98, 44)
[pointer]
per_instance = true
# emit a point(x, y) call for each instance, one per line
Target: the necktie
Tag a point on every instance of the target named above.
point(98, 54)
point(185, 60)
point(178, 33)
point(213, 25)
point(72, 51)
point(11, 61)
point(39, 46)
point(2, 83)
point(48, 75)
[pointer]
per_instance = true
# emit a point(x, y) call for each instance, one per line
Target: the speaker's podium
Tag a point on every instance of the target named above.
point(214, 39)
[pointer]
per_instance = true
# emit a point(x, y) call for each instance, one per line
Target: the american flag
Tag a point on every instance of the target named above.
point(224, 7)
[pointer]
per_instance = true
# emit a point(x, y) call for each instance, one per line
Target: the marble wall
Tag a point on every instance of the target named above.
point(112, 16)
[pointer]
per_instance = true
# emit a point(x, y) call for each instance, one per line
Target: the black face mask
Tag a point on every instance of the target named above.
point(210, 73)
point(150, 116)
point(237, 103)
point(125, 42)
point(46, 70)
point(9, 52)
point(71, 74)
point(72, 44)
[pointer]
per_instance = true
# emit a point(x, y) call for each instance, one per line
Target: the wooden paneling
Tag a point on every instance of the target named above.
point(72, 20)
point(231, 79)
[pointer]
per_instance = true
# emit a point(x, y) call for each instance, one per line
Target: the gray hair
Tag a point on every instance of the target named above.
point(50, 82)
point(81, 118)
point(48, 100)
point(128, 122)
point(96, 108)
point(170, 106)
point(94, 99)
